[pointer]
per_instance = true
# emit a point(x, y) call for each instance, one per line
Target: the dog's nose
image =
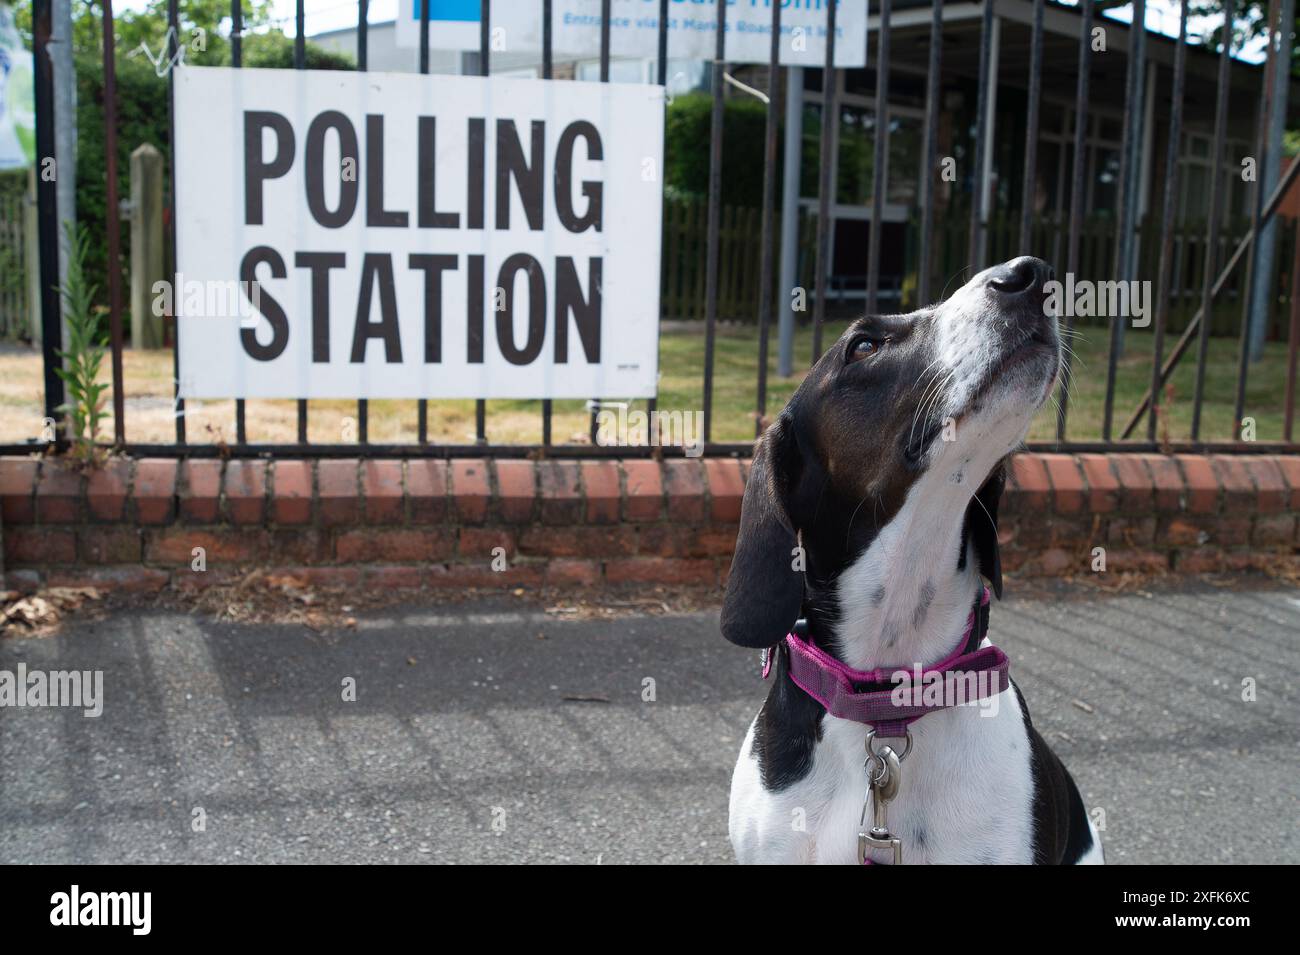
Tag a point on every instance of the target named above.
point(1025, 274)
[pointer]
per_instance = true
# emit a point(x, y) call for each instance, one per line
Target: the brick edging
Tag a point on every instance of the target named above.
point(421, 522)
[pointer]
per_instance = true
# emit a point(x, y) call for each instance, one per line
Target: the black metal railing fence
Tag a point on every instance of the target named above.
point(989, 234)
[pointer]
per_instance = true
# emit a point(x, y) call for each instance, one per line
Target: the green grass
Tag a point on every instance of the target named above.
point(736, 365)
point(1265, 390)
point(681, 363)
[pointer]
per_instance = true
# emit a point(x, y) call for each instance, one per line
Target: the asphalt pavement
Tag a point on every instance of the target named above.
point(488, 732)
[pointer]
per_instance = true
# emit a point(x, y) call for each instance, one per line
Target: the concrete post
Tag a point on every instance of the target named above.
point(1270, 170)
point(147, 245)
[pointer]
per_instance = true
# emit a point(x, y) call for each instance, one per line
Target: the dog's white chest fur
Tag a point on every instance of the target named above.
point(966, 794)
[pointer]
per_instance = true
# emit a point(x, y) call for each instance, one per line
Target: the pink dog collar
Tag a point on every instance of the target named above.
point(889, 703)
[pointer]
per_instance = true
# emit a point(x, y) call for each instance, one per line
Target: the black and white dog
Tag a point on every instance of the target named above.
point(871, 512)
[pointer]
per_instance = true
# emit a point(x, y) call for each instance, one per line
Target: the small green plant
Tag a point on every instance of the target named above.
point(85, 353)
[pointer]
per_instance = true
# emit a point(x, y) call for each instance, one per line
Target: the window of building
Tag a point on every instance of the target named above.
point(1194, 179)
point(853, 173)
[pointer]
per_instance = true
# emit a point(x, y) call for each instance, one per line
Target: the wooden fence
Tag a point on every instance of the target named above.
point(740, 257)
point(14, 322)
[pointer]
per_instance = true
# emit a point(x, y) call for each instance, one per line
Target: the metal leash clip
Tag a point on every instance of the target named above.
point(882, 787)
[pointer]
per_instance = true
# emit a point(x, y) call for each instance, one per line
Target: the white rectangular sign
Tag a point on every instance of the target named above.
point(380, 235)
point(516, 27)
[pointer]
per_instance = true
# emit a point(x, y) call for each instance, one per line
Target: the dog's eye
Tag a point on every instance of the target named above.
point(864, 348)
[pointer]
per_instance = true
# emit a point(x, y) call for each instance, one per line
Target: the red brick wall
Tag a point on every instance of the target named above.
point(430, 523)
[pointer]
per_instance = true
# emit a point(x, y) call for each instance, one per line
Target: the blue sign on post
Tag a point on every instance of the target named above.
point(453, 24)
point(461, 10)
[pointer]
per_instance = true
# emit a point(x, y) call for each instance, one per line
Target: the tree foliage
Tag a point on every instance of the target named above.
point(1248, 23)
point(142, 101)
point(686, 148)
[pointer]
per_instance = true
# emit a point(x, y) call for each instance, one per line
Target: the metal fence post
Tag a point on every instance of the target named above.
point(715, 209)
point(929, 152)
point(173, 54)
point(363, 53)
point(112, 225)
point(987, 80)
point(1216, 212)
point(548, 70)
point(879, 161)
point(1029, 188)
point(1166, 278)
point(769, 199)
point(790, 218)
point(1077, 197)
point(484, 69)
point(830, 116)
point(1129, 183)
point(593, 419)
point(47, 208)
point(237, 61)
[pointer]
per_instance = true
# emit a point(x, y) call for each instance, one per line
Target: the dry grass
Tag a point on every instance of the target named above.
point(150, 418)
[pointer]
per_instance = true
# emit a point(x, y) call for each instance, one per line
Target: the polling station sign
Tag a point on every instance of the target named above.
point(377, 235)
point(516, 26)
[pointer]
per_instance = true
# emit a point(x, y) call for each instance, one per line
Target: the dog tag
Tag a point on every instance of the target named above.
point(883, 788)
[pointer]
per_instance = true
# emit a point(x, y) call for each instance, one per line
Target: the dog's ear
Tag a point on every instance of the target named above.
point(764, 591)
point(982, 525)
